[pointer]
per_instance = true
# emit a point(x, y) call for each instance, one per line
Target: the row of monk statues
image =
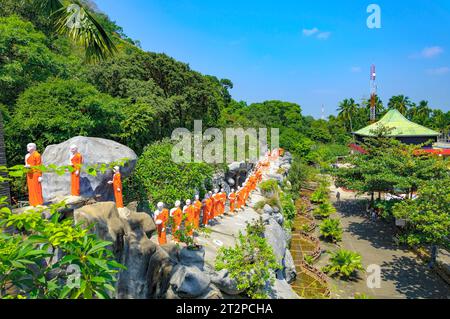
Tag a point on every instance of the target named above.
point(199, 213)
point(34, 176)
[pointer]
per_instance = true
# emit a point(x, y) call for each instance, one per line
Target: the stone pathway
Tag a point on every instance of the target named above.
point(404, 276)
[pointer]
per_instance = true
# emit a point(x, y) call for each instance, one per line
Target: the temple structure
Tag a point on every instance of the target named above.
point(405, 131)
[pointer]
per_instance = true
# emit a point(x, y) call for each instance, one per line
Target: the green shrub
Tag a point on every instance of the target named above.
point(324, 210)
point(331, 229)
point(24, 258)
point(250, 262)
point(270, 186)
point(157, 178)
point(344, 263)
point(272, 202)
point(320, 195)
point(287, 206)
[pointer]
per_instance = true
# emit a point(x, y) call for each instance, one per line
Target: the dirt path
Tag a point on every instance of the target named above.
point(403, 275)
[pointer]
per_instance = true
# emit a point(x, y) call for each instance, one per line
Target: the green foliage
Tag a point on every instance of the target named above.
point(27, 258)
point(251, 262)
point(331, 229)
point(299, 175)
point(344, 263)
point(26, 58)
point(76, 108)
point(159, 179)
point(287, 206)
point(385, 208)
point(320, 195)
point(390, 166)
point(428, 216)
point(324, 210)
point(269, 186)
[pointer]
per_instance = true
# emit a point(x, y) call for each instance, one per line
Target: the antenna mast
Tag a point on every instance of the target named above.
point(373, 93)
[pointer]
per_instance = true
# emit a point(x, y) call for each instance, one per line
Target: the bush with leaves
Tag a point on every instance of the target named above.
point(331, 229)
point(157, 178)
point(269, 187)
point(324, 210)
point(320, 195)
point(344, 263)
point(28, 263)
point(251, 262)
point(428, 216)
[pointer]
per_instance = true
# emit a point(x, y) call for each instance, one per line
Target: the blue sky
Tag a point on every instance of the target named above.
point(307, 52)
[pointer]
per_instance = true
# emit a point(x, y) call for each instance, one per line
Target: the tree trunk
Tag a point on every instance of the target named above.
point(4, 187)
point(433, 256)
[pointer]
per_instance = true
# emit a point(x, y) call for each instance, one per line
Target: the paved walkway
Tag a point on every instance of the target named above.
point(403, 274)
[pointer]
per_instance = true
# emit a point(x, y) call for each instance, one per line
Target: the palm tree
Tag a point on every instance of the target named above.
point(76, 20)
point(347, 110)
point(400, 103)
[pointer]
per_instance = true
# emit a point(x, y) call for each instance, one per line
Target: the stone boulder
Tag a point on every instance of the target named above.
point(276, 238)
point(194, 258)
point(282, 290)
point(95, 151)
point(189, 282)
point(268, 209)
point(289, 271)
point(226, 284)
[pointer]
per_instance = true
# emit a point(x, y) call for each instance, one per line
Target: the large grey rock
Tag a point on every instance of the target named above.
point(225, 283)
point(149, 267)
point(282, 290)
point(276, 237)
point(279, 218)
point(290, 272)
point(94, 151)
point(194, 258)
point(268, 209)
point(189, 282)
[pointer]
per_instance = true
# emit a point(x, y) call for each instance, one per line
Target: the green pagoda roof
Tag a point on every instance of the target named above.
point(401, 126)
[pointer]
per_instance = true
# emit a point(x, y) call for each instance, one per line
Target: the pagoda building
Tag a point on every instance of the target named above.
point(403, 130)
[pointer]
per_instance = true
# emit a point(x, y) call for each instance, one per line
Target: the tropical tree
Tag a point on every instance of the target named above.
point(347, 110)
point(400, 103)
point(75, 19)
point(428, 216)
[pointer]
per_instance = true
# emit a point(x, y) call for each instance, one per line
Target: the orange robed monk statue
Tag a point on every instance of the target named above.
point(34, 176)
point(117, 186)
point(76, 160)
point(177, 214)
point(161, 220)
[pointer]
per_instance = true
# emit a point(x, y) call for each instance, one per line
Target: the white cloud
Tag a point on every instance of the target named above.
point(439, 71)
point(310, 32)
point(428, 53)
point(356, 69)
point(323, 35)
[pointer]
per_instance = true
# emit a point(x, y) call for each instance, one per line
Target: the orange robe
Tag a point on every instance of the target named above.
point(198, 208)
point(162, 232)
point(222, 202)
point(177, 216)
point(240, 198)
point(190, 218)
point(216, 204)
point(77, 161)
point(34, 186)
point(232, 199)
point(117, 183)
point(207, 211)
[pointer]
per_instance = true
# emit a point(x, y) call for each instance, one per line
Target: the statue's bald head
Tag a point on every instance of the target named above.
point(31, 147)
point(73, 148)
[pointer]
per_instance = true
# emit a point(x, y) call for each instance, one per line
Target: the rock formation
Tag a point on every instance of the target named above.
point(95, 151)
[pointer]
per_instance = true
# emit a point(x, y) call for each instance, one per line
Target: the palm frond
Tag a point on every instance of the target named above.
point(80, 25)
point(49, 6)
